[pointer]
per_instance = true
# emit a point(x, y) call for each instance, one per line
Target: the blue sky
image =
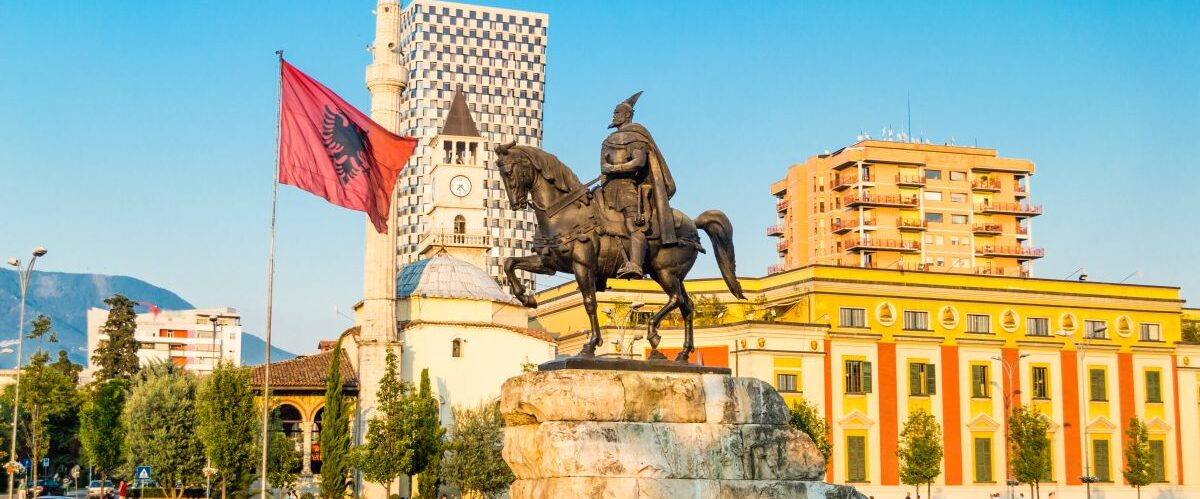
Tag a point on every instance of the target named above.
point(139, 135)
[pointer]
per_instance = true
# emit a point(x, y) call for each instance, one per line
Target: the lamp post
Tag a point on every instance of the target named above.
point(1087, 477)
point(23, 275)
point(1008, 370)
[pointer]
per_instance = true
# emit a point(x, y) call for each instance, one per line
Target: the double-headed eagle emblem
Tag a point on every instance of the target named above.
point(345, 143)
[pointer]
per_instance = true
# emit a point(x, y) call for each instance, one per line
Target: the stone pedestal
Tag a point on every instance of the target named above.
point(638, 434)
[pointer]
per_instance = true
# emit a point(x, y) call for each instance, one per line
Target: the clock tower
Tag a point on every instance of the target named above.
point(457, 180)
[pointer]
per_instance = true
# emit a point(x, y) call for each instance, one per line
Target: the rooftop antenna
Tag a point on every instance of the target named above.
point(1137, 274)
point(909, 104)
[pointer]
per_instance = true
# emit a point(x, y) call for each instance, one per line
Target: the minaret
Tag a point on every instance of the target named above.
point(376, 316)
point(386, 79)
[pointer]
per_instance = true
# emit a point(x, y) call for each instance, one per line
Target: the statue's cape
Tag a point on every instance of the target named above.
point(660, 175)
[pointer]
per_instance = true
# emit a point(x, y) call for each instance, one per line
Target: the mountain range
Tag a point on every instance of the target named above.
point(66, 297)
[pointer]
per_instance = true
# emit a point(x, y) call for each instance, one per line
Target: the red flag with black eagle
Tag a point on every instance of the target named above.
point(329, 148)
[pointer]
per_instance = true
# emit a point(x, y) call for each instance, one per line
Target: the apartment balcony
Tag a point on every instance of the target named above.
point(1010, 251)
point(1020, 190)
point(985, 185)
point(915, 267)
point(910, 180)
point(876, 244)
point(911, 224)
point(1011, 271)
point(781, 205)
point(775, 230)
point(879, 200)
point(781, 246)
point(775, 268)
point(844, 226)
point(842, 182)
point(987, 229)
point(1020, 209)
point(1022, 232)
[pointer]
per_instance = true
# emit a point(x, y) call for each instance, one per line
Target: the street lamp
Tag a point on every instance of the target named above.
point(1008, 369)
point(23, 275)
point(1087, 477)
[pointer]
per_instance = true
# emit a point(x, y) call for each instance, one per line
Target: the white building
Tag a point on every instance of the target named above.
point(189, 338)
point(423, 53)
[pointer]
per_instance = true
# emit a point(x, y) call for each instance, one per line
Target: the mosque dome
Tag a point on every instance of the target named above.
point(444, 276)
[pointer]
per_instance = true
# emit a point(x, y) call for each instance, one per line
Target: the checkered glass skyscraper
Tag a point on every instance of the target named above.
point(423, 52)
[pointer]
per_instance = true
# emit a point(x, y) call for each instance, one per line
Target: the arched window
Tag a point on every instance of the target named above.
point(456, 347)
point(290, 419)
point(316, 441)
point(460, 225)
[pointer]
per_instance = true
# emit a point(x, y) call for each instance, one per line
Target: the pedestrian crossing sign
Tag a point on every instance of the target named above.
point(142, 473)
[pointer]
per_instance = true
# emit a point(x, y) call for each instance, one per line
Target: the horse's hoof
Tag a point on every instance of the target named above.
point(656, 355)
point(588, 351)
point(529, 301)
point(682, 358)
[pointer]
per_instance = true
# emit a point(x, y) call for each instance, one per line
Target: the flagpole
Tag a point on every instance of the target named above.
point(266, 401)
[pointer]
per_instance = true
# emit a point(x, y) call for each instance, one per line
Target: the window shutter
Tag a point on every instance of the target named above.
point(1159, 456)
point(1100, 459)
point(930, 379)
point(1097, 379)
point(855, 452)
point(1153, 387)
point(849, 375)
point(983, 460)
point(866, 377)
point(914, 379)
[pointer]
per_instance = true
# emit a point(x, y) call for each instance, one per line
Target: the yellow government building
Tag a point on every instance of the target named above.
point(868, 346)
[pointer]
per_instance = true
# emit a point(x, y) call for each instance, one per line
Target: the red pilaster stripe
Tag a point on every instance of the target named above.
point(952, 414)
point(889, 424)
point(1177, 423)
point(829, 387)
point(1072, 426)
point(1125, 383)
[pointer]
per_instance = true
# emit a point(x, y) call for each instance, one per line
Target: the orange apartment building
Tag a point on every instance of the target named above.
point(907, 206)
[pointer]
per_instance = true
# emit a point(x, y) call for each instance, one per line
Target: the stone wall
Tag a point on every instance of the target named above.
point(596, 433)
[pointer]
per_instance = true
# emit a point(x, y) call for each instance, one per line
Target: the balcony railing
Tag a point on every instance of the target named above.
point(775, 268)
point(1023, 231)
point(841, 182)
point(775, 230)
point(869, 243)
point(452, 239)
point(781, 246)
point(852, 200)
point(986, 184)
point(1010, 251)
point(910, 180)
point(987, 228)
point(911, 224)
point(844, 226)
point(1010, 209)
point(1020, 190)
point(1004, 271)
point(915, 267)
point(781, 205)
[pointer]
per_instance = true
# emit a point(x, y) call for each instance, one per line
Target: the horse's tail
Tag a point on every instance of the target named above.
point(720, 231)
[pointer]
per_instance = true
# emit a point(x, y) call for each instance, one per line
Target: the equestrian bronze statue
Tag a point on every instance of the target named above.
point(625, 230)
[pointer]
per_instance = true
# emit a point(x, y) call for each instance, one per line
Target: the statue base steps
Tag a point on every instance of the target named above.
point(640, 433)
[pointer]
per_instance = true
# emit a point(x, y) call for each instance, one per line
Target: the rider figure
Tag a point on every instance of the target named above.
point(638, 184)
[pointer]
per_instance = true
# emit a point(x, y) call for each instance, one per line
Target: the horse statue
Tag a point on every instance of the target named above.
point(578, 235)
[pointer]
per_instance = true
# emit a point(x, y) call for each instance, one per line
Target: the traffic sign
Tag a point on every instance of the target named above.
point(45, 462)
point(142, 473)
point(25, 463)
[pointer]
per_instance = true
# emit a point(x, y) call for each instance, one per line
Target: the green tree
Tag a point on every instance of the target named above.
point(102, 428)
point(388, 451)
point(229, 426)
point(1139, 459)
point(117, 357)
point(48, 420)
point(1029, 447)
point(162, 427)
point(804, 417)
point(920, 450)
point(282, 458)
point(473, 461)
point(64, 365)
point(1190, 330)
point(335, 432)
point(427, 431)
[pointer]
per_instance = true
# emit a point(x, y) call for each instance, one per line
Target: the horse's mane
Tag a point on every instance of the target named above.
point(551, 169)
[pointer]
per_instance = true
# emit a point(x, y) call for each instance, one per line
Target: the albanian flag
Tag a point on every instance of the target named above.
point(329, 148)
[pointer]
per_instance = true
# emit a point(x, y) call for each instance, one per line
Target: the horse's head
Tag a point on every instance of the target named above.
point(517, 171)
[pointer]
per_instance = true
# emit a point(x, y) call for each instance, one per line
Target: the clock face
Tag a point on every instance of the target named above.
point(460, 186)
